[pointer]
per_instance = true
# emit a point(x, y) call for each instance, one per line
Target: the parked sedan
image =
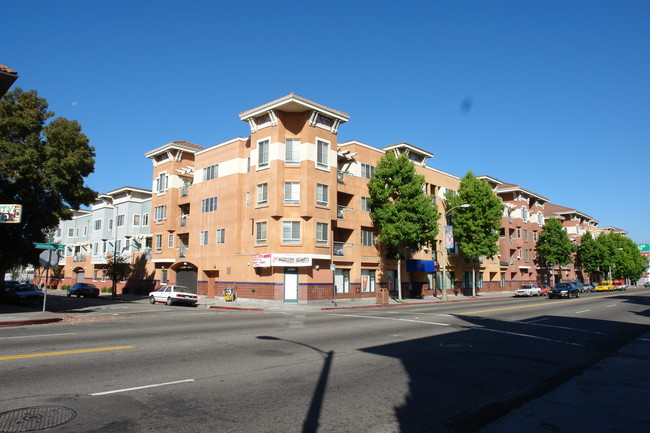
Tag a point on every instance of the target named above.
point(173, 295)
point(528, 290)
point(83, 289)
point(564, 290)
point(545, 289)
point(605, 286)
point(24, 293)
point(619, 285)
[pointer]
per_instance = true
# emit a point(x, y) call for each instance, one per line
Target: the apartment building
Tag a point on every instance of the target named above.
point(284, 213)
point(117, 223)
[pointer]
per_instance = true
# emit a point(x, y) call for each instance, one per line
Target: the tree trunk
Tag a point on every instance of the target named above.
point(474, 279)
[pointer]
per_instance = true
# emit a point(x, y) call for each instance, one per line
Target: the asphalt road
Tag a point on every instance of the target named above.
point(438, 367)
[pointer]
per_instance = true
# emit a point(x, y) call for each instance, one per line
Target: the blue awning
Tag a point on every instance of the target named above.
point(420, 266)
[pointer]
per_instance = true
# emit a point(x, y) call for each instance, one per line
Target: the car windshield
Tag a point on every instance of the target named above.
point(563, 286)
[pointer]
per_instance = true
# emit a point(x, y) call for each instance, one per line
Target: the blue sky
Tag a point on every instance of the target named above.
point(551, 95)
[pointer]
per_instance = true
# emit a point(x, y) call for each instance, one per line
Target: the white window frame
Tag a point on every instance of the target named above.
point(289, 231)
point(322, 158)
point(203, 237)
point(262, 196)
point(145, 219)
point(221, 236)
point(263, 150)
point(322, 194)
point(158, 245)
point(210, 204)
point(71, 232)
point(261, 231)
point(292, 193)
point(365, 204)
point(292, 151)
point(119, 221)
point(162, 183)
point(368, 238)
point(211, 172)
point(322, 233)
point(136, 220)
point(170, 240)
point(160, 213)
point(367, 170)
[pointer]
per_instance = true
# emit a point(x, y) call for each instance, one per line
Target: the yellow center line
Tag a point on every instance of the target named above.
point(65, 352)
point(528, 306)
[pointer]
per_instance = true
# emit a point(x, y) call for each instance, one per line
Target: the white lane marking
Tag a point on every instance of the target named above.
point(36, 336)
point(390, 318)
point(613, 305)
point(567, 328)
point(528, 336)
point(155, 385)
point(582, 311)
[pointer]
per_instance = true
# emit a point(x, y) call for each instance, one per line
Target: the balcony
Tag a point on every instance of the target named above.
point(340, 211)
point(182, 251)
point(79, 258)
point(338, 248)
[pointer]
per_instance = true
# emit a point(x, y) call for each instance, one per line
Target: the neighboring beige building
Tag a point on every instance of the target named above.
point(282, 214)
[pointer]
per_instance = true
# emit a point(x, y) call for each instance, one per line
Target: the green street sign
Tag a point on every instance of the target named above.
point(644, 248)
point(49, 246)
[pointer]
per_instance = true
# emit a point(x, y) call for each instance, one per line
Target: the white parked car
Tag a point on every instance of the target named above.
point(173, 295)
point(528, 290)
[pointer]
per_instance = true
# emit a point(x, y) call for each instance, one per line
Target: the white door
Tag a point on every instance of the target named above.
point(290, 285)
point(342, 280)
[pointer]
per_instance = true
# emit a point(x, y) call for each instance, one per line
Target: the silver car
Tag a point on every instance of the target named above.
point(173, 295)
point(528, 290)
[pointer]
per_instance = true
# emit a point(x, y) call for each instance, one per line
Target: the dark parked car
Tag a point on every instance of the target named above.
point(564, 290)
point(24, 293)
point(581, 287)
point(84, 289)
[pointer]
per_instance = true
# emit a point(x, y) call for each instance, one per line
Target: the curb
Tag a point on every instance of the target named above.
point(31, 322)
point(218, 307)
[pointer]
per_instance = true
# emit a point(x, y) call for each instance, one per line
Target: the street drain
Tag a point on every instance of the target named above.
point(35, 418)
point(456, 345)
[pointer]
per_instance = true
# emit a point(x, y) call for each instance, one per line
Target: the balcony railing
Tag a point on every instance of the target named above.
point(340, 211)
point(78, 258)
point(182, 251)
point(339, 247)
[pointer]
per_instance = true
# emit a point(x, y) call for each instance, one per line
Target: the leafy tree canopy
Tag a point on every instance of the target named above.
point(554, 246)
point(476, 228)
point(42, 167)
point(405, 216)
point(591, 254)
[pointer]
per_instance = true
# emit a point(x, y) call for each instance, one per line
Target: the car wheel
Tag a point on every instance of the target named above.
point(577, 294)
point(69, 294)
point(169, 301)
point(78, 295)
point(152, 300)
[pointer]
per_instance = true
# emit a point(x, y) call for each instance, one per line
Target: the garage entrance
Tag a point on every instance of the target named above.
point(187, 275)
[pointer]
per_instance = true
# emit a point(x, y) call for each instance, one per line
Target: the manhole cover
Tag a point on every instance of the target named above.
point(35, 418)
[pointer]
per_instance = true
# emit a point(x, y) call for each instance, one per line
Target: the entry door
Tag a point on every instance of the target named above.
point(342, 280)
point(81, 277)
point(290, 284)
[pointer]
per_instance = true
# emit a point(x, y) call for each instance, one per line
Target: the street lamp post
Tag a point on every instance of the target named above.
point(444, 296)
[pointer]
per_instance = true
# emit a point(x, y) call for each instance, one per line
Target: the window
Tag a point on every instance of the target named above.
point(322, 230)
point(209, 204)
point(221, 236)
point(145, 219)
point(367, 170)
point(98, 224)
point(160, 213)
point(76, 232)
point(71, 232)
point(292, 151)
point(365, 204)
point(95, 248)
point(524, 214)
point(136, 220)
point(170, 241)
point(211, 172)
point(95, 273)
point(262, 193)
point(263, 153)
point(322, 151)
point(518, 233)
point(163, 277)
point(127, 244)
point(367, 280)
point(203, 240)
point(260, 233)
point(110, 224)
point(540, 219)
point(162, 183)
point(120, 221)
point(535, 236)
point(118, 246)
point(85, 230)
point(291, 232)
point(525, 235)
point(291, 193)
point(322, 194)
point(158, 242)
point(367, 238)
point(526, 255)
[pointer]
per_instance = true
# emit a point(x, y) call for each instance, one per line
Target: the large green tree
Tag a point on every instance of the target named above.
point(623, 259)
point(477, 226)
point(554, 246)
point(43, 163)
point(405, 217)
point(591, 254)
